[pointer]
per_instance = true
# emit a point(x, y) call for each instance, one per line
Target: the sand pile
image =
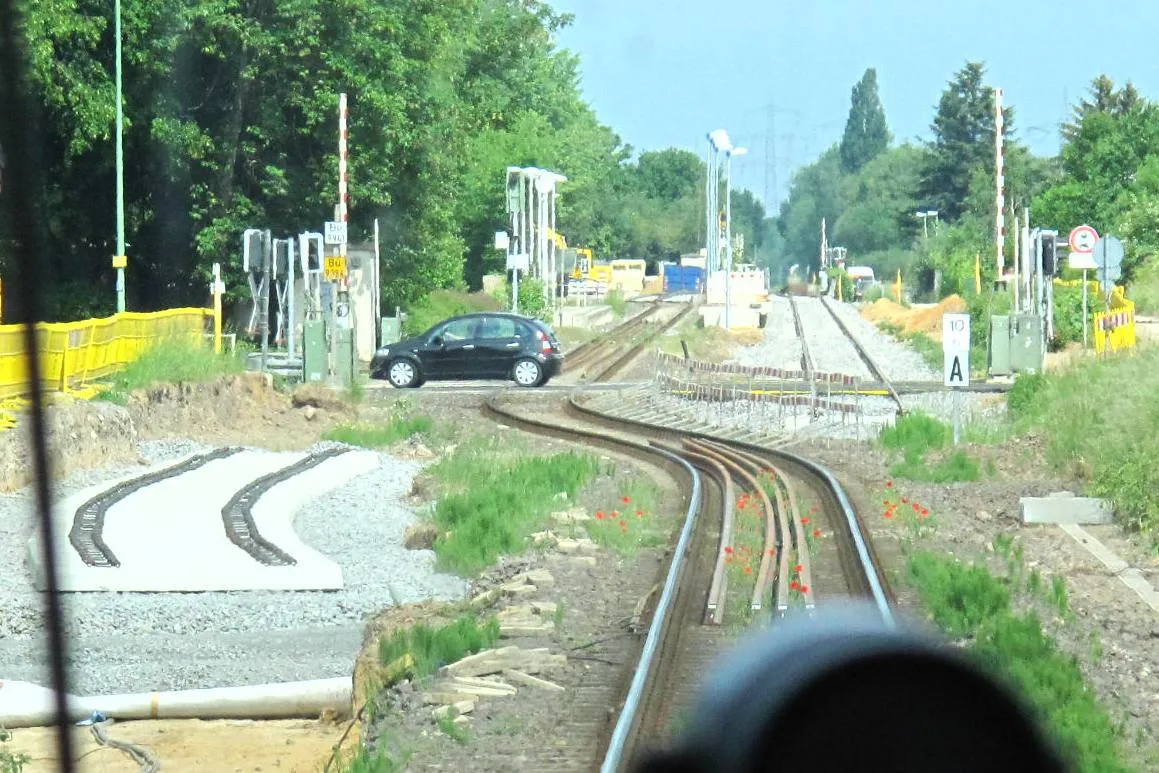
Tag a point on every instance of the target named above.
point(916, 319)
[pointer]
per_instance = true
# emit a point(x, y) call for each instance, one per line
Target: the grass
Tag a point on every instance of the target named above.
point(171, 361)
point(917, 434)
point(380, 436)
point(629, 523)
point(968, 602)
point(427, 649)
point(706, 344)
point(492, 504)
point(455, 732)
point(1144, 290)
point(11, 762)
point(615, 299)
point(380, 761)
point(929, 349)
point(1100, 421)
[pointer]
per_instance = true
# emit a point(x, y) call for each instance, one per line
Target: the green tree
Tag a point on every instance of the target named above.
point(866, 131)
point(963, 141)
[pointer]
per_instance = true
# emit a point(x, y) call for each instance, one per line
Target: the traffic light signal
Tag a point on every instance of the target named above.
point(1049, 254)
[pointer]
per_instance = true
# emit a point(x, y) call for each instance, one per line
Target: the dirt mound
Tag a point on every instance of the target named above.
point(929, 320)
point(918, 319)
point(241, 409)
point(884, 308)
point(81, 435)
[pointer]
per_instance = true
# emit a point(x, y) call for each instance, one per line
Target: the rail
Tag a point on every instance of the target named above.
point(237, 515)
point(89, 519)
point(865, 358)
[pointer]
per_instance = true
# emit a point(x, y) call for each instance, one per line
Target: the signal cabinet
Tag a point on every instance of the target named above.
point(1026, 349)
point(1000, 346)
point(314, 355)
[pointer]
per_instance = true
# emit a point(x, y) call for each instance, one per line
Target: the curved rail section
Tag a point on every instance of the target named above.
point(679, 645)
point(237, 515)
point(88, 522)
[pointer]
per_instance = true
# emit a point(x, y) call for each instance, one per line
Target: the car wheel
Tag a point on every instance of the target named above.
point(527, 373)
point(402, 374)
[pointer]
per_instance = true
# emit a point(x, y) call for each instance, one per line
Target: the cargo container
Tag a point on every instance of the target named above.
point(683, 279)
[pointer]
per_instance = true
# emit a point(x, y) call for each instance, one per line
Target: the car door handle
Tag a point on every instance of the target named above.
point(468, 346)
point(513, 345)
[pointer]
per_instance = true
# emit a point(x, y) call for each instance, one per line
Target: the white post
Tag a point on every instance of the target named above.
point(291, 339)
point(377, 286)
point(1017, 268)
point(957, 414)
point(708, 209)
point(728, 240)
point(1000, 181)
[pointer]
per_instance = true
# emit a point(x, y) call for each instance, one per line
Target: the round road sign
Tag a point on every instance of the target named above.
point(1083, 239)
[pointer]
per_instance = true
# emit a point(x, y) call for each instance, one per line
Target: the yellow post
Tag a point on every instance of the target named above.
point(978, 274)
point(218, 289)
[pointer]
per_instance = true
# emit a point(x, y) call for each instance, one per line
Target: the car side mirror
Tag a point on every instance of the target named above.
point(437, 341)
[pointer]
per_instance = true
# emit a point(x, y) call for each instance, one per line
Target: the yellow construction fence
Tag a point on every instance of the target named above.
point(73, 353)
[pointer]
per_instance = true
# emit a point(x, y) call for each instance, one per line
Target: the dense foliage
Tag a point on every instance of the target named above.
point(231, 122)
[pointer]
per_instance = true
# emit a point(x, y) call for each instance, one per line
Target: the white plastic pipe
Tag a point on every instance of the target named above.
point(23, 704)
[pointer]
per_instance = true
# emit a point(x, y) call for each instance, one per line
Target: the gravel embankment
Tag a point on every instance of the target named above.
point(781, 347)
point(831, 350)
point(129, 642)
point(896, 360)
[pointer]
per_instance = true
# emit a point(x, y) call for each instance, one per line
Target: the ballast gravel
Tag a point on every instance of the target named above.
point(831, 349)
point(781, 347)
point(896, 360)
point(135, 642)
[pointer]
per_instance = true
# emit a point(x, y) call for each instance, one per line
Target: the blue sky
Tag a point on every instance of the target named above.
point(648, 73)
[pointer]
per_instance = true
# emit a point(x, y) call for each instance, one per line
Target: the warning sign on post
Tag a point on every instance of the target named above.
point(956, 349)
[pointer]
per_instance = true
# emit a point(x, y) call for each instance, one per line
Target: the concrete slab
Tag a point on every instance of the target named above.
point(1065, 507)
point(739, 316)
point(1130, 576)
point(169, 537)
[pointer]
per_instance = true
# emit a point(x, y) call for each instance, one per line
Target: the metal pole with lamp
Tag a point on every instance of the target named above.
point(120, 260)
point(728, 231)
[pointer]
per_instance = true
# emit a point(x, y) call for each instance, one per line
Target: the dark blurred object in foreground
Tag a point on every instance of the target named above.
point(843, 693)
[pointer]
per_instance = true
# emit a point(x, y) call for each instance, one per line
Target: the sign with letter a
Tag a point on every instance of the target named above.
point(956, 349)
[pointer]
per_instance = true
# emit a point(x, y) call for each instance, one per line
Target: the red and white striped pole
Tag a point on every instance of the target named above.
point(343, 193)
point(1000, 183)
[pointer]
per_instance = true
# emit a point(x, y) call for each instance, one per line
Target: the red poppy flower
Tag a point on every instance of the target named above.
point(816, 532)
point(600, 515)
point(615, 514)
point(639, 513)
point(795, 585)
point(772, 552)
point(888, 513)
point(905, 500)
point(925, 511)
point(804, 588)
point(885, 502)
point(748, 570)
point(917, 507)
point(798, 568)
point(626, 500)
point(623, 523)
point(805, 520)
point(889, 484)
point(728, 551)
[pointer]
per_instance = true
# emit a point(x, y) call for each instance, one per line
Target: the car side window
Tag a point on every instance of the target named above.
point(458, 330)
point(501, 327)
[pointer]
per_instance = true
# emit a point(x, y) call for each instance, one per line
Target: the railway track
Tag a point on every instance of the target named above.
point(601, 360)
point(86, 535)
point(742, 556)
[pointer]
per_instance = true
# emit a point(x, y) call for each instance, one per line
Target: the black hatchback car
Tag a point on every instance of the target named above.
point(485, 345)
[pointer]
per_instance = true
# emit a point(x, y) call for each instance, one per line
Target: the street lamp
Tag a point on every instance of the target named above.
point(119, 259)
point(925, 216)
point(728, 230)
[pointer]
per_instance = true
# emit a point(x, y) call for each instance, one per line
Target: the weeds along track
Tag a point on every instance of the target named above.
point(604, 358)
point(743, 556)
